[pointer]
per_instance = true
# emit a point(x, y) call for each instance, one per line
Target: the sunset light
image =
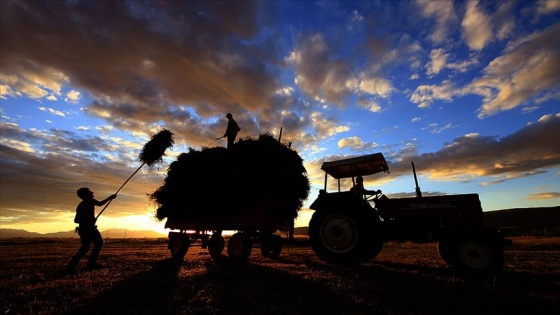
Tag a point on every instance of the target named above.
point(467, 90)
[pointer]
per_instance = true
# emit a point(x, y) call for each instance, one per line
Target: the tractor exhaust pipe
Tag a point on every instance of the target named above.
point(418, 192)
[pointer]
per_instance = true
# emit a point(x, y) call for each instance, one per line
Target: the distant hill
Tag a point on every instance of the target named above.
point(523, 218)
point(112, 233)
point(520, 218)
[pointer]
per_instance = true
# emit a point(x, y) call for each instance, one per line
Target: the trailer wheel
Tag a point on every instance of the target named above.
point(271, 246)
point(339, 237)
point(178, 245)
point(216, 245)
point(239, 247)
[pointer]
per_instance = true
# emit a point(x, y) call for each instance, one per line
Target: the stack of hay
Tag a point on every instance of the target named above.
point(217, 181)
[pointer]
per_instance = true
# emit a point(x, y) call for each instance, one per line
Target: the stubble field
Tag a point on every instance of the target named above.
point(141, 278)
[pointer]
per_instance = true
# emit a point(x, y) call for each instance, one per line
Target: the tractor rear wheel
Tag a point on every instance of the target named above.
point(340, 237)
point(239, 247)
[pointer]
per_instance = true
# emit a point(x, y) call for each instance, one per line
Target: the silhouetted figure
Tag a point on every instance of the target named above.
point(231, 131)
point(360, 190)
point(85, 217)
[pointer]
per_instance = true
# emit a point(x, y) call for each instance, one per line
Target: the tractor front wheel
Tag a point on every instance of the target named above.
point(473, 256)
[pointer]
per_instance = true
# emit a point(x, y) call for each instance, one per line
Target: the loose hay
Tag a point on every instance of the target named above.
point(154, 150)
point(217, 181)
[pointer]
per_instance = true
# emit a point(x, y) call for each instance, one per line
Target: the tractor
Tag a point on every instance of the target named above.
point(349, 228)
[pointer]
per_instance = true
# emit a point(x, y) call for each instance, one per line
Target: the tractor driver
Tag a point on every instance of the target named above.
point(360, 190)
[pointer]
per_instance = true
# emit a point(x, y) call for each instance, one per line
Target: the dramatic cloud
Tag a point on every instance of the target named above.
point(84, 84)
point(138, 58)
point(531, 150)
point(49, 180)
point(528, 68)
point(318, 73)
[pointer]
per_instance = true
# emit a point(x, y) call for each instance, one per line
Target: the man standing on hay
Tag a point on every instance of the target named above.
point(231, 131)
point(85, 217)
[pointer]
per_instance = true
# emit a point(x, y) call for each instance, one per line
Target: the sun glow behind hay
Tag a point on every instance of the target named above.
point(140, 222)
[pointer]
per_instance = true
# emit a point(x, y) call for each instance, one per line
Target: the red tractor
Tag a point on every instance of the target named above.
point(346, 229)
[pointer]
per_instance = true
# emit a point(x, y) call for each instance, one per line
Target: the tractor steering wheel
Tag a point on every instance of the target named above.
point(376, 195)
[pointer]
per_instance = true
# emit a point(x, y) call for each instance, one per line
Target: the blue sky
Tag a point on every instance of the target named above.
point(467, 90)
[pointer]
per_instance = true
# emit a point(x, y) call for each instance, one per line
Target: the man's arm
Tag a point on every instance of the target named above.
point(104, 201)
point(371, 192)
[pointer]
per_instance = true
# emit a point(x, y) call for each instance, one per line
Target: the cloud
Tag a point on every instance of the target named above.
point(444, 14)
point(425, 95)
point(544, 195)
point(376, 86)
point(370, 105)
point(547, 7)
point(319, 73)
point(438, 59)
point(532, 150)
point(355, 143)
point(48, 168)
point(322, 75)
point(528, 69)
point(73, 97)
point(435, 128)
point(52, 111)
point(153, 58)
point(464, 65)
point(504, 19)
point(477, 27)
point(326, 127)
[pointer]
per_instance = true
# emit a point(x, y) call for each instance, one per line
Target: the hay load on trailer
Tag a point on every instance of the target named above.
point(258, 185)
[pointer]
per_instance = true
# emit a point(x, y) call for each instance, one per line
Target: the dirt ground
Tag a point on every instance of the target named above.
point(141, 278)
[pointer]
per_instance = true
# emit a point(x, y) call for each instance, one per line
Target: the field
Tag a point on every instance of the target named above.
point(141, 278)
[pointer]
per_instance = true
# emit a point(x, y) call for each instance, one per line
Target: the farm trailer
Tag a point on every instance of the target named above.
point(346, 229)
point(255, 225)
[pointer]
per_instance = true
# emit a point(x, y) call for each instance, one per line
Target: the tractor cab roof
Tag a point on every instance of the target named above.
point(362, 165)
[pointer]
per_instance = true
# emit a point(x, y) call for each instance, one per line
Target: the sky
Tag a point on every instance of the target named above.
point(467, 90)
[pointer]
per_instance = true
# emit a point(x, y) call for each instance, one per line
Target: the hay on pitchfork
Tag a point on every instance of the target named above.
point(154, 150)
point(152, 153)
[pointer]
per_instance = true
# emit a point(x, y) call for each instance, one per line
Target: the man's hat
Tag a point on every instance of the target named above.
point(229, 115)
